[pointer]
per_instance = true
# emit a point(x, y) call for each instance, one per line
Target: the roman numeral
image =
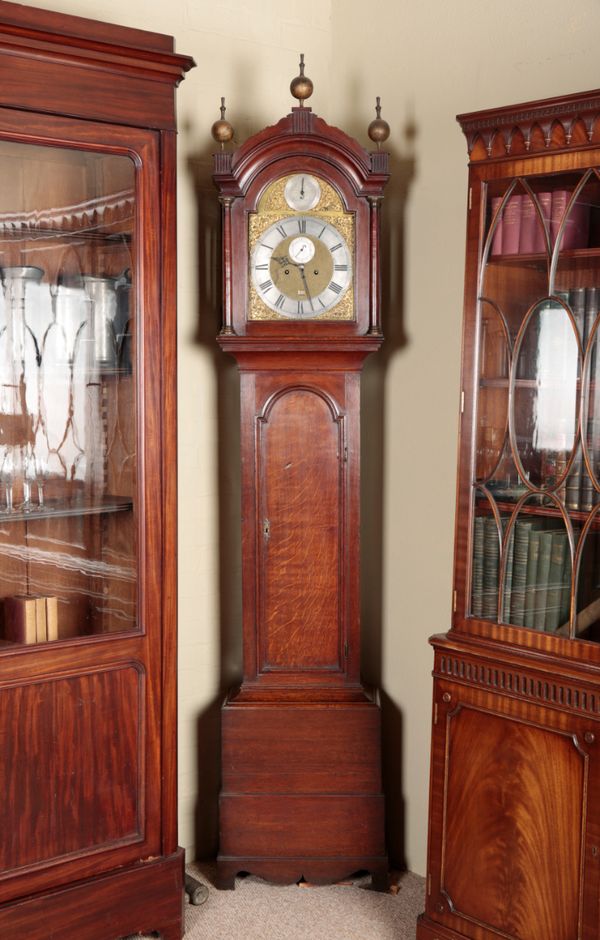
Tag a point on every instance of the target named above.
point(282, 231)
point(300, 308)
point(336, 288)
point(302, 226)
point(261, 267)
point(321, 232)
point(340, 267)
point(280, 301)
point(336, 247)
point(266, 285)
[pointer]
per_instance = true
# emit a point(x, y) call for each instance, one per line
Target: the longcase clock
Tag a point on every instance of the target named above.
point(301, 778)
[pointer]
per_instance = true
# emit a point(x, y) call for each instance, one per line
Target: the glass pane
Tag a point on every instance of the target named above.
point(68, 554)
point(537, 439)
point(545, 397)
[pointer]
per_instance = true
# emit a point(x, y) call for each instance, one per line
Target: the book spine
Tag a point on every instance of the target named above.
point(491, 554)
point(511, 225)
point(531, 577)
point(577, 227)
point(477, 576)
point(496, 248)
point(574, 484)
point(20, 622)
point(508, 578)
point(556, 575)
point(529, 224)
point(545, 204)
point(521, 550)
point(542, 577)
point(40, 620)
point(51, 604)
point(560, 197)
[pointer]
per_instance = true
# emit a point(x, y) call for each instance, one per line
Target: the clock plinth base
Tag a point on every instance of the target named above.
point(301, 793)
point(287, 871)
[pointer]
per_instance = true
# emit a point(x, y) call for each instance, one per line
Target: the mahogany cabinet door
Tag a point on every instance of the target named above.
point(513, 843)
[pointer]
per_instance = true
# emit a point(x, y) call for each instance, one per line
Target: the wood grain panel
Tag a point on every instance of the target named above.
point(318, 825)
point(302, 750)
point(515, 799)
point(299, 526)
point(71, 766)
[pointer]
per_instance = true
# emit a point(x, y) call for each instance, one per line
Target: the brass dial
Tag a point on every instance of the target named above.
point(301, 266)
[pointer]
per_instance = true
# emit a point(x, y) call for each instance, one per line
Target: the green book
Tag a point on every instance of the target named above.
point(508, 577)
point(556, 576)
point(542, 578)
point(533, 555)
point(573, 492)
point(565, 594)
point(477, 573)
point(491, 554)
point(521, 548)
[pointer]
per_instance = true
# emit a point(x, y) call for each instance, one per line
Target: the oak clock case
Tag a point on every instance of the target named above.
point(515, 770)
point(88, 843)
point(301, 753)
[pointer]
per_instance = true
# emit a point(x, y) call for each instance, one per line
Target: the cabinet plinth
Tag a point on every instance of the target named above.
point(301, 755)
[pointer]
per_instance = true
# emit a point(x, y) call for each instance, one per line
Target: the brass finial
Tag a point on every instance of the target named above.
point(301, 87)
point(379, 130)
point(222, 130)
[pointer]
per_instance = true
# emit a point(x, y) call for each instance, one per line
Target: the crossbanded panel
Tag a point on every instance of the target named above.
point(71, 766)
point(515, 798)
point(300, 522)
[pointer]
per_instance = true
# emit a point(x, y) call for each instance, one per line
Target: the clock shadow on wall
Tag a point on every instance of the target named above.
point(227, 421)
point(374, 407)
point(209, 320)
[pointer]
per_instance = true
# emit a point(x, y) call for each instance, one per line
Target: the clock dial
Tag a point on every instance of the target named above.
point(302, 192)
point(301, 267)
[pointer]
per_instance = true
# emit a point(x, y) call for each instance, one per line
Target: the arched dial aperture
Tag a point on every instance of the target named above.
point(301, 266)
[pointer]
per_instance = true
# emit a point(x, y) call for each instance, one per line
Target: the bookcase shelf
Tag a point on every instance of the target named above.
point(58, 509)
point(515, 769)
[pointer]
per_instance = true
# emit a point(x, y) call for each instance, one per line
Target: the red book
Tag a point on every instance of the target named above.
point(511, 225)
point(529, 224)
point(560, 198)
point(496, 248)
point(577, 227)
point(545, 204)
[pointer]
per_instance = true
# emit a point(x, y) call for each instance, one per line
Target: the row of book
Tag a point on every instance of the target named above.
point(537, 584)
point(30, 618)
point(519, 229)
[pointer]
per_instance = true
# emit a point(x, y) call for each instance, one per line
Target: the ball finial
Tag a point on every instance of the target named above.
point(222, 130)
point(301, 87)
point(379, 130)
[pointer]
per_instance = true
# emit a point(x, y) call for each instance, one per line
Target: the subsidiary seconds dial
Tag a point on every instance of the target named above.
point(301, 267)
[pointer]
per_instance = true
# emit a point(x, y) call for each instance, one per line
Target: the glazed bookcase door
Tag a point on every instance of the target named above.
point(534, 548)
point(79, 525)
point(68, 464)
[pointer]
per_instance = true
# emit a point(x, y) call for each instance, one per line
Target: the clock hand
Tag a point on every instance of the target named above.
point(303, 278)
point(302, 189)
point(282, 259)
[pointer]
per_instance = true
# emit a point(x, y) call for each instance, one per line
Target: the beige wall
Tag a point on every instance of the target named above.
point(428, 61)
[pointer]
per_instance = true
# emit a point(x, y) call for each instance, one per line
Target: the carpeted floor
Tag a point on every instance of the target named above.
point(259, 911)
